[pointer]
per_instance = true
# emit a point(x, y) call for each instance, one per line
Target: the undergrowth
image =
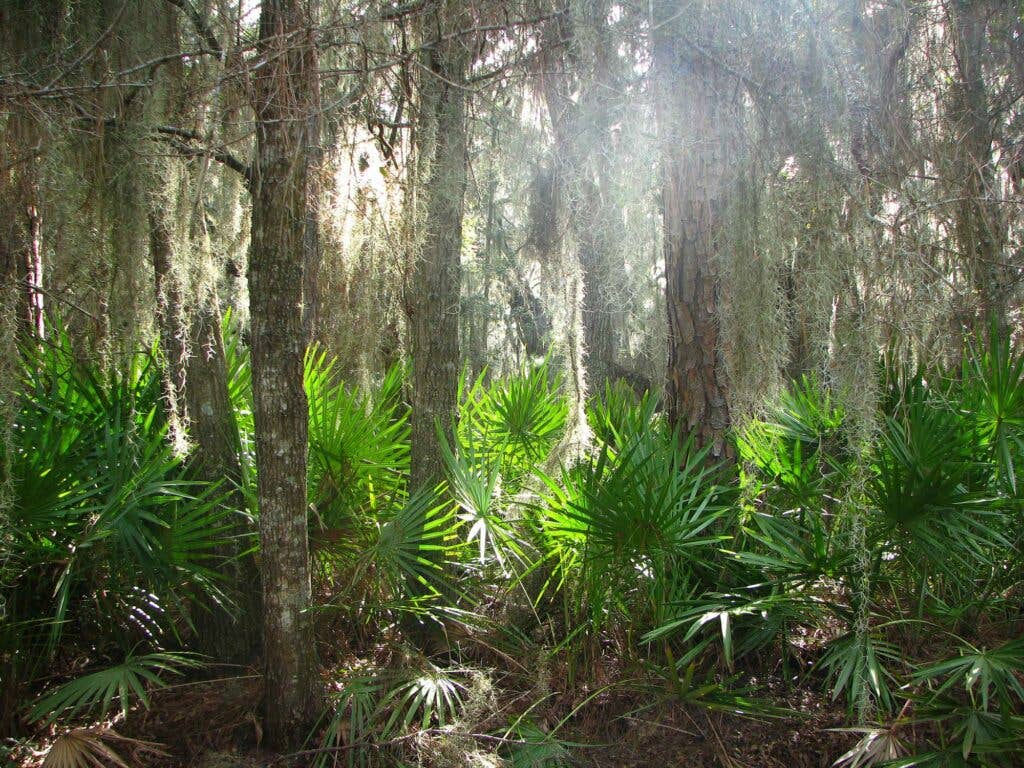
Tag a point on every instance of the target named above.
point(458, 621)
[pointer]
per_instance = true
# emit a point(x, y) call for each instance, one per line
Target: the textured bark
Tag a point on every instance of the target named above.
point(477, 294)
point(10, 238)
point(311, 239)
point(224, 634)
point(598, 313)
point(12, 250)
point(26, 29)
point(434, 292)
point(800, 360)
point(169, 320)
point(21, 254)
point(532, 323)
point(696, 130)
point(33, 255)
point(979, 225)
point(284, 87)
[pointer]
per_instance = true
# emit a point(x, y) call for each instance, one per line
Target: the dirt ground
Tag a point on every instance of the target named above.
point(214, 724)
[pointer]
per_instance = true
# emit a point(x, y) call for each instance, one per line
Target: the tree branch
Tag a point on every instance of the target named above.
point(202, 28)
point(185, 142)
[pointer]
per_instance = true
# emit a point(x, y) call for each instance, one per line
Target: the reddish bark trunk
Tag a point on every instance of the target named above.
point(697, 124)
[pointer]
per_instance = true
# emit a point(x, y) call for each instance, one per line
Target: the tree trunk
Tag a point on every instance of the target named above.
point(311, 239)
point(170, 323)
point(284, 91)
point(222, 634)
point(581, 128)
point(433, 299)
point(195, 382)
point(979, 225)
point(27, 30)
point(33, 292)
point(696, 126)
point(21, 239)
point(477, 294)
point(526, 310)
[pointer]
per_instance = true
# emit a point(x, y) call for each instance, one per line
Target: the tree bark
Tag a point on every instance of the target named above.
point(581, 128)
point(433, 296)
point(26, 30)
point(170, 322)
point(979, 225)
point(311, 239)
point(533, 326)
point(21, 251)
point(284, 92)
point(224, 634)
point(33, 289)
point(696, 123)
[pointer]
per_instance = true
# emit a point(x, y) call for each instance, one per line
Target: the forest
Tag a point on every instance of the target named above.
point(524, 384)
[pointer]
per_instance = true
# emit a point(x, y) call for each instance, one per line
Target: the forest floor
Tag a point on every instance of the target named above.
point(213, 723)
point(681, 735)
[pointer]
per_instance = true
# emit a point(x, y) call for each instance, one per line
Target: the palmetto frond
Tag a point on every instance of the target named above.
point(120, 685)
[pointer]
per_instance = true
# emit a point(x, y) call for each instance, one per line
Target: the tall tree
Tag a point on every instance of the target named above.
point(979, 220)
point(223, 632)
point(189, 325)
point(432, 299)
point(28, 31)
point(169, 305)
point(285, 86)
point(21, 254)
point(697, 125)
point(578, 83)
point(167, 102)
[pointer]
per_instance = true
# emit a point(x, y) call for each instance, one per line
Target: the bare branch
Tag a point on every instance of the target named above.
point(201, 26)
point(187, 142)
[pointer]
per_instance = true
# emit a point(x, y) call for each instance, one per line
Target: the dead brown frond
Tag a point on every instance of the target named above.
point(95, 748)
